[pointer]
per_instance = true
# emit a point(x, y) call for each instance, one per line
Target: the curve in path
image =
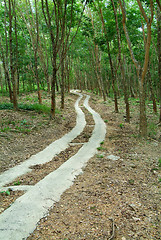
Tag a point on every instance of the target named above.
point(18, 221)
point(49, 152)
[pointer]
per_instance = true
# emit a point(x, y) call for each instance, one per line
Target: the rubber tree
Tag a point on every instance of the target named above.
point(113, 74)
point(125, 87)
point(10, 68)
point(55, 14)
point(96, 53)
point(32, 23)
point(141, 71)
point(159, 52)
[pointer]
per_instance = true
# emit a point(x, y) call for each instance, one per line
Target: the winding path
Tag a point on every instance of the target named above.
point(49, 152)
point(18, 221)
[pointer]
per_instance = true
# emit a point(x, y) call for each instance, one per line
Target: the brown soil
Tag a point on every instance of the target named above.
point(112, 199)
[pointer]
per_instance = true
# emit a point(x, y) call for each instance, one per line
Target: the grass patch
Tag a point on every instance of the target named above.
point(100, 148)
point(35, 107)
point(100, 156)
point(7, 193)
point(29, 107)
point(4, 106)
point(17, 183)
point(152, 130)
point(121, 125)
point(159, 162)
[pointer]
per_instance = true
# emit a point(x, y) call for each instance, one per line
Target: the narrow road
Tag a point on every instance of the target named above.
point(18, 221)
point(49, 152)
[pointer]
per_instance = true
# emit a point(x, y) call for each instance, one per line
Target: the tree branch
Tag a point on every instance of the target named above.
point(127, 36)
point(159, 4)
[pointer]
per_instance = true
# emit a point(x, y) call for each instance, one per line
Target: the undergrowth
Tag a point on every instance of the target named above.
point(29, 107)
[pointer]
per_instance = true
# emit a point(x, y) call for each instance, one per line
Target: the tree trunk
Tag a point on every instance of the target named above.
point(143, 119)
point(122, 67)
point(14, 85)
point(5, 67)
point(62, 84)
point(1, 80)
point(67, 66)
point(37, 78)
point(159, 55)
point(113, 76)
point(35, 55)
point(53, 100)
point(152, 91)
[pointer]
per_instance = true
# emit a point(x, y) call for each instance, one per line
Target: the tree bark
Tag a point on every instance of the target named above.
point(13, 80)
point(113, 76)
point(121, 66)
point(62, 85)
point(152, 91)
point(141, 72)
point(5, 67)
point(35, 55)
point(159, 54)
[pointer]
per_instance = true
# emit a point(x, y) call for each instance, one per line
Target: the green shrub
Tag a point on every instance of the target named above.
point(29, 107)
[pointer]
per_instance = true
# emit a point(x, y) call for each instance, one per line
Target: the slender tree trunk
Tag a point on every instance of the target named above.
point(35, 55)
point(5, 67)
point(17, 53)
point(126, 97)
point(54, 80)
point(152, 91)
point(62, 84)
point(14, 85)
point(159, 54)
point(101, 80)
point(37, 77)
point(140, 73)
point(122, 67)
point(143, 118)
point(1, 80)
point(53, 100)
point(67, 66)
point(113, 76)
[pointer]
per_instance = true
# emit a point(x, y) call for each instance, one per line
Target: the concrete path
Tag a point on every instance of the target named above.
point(49, 152)
point(18, 221)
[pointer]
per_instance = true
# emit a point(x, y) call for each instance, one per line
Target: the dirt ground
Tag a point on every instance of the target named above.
point(114, 198)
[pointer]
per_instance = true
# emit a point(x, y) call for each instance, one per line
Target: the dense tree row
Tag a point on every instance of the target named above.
point(112, 48)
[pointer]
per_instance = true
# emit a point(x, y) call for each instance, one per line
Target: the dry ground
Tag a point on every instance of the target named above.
point(112, 199)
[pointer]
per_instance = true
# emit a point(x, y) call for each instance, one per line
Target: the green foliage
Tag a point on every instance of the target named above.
point(30, 107)
point(7, 192)
point(100, 148)
point(121, 125)
point(5, 129)
point(152, 129)
point(99, 156)
point(131, 181)
point(4, 106)
point(134, 101)
point(17, 183)
point(35, 107)
point(87, 29)
point(24, 122)
point(94, 208)
point(159, 162)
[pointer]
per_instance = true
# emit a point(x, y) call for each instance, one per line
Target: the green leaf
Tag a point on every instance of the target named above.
point(8, 192)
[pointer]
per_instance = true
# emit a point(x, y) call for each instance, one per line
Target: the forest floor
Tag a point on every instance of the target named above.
point(116, 198)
